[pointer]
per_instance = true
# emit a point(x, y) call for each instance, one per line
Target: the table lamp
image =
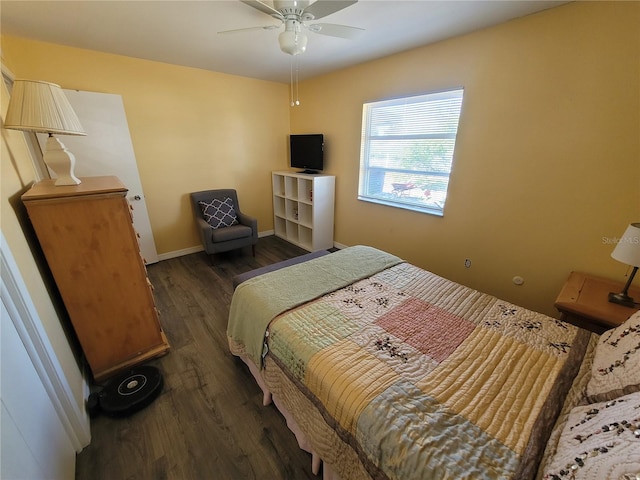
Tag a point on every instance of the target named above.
point(627, 251)
point(37, 106)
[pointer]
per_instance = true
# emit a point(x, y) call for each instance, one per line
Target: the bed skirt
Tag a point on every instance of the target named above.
point(303, 443)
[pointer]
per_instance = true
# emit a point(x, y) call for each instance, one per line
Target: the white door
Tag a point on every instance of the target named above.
point(33, 442)
point(107, 150)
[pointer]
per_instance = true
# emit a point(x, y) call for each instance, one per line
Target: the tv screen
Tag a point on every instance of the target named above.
point(307, 152)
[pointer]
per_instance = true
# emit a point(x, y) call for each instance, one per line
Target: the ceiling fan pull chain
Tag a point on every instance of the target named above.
point(294, 90)
point(291, 84)
point(297, 83)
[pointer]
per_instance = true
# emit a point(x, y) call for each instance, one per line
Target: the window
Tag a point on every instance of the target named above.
point(407, 150)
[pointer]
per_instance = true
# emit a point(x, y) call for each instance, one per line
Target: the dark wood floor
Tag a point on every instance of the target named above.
point(209, 422)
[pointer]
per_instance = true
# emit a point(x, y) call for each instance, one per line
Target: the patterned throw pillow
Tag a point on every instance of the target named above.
point(600, 441)
point(219, 213)
point(616, 363)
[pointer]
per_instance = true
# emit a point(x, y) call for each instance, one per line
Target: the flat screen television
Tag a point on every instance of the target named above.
point(307, 152)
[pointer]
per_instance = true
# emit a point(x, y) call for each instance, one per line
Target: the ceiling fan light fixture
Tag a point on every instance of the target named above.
point(292, 42)
point(294, 15)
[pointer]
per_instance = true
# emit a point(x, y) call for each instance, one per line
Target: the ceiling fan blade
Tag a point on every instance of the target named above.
point(248, 29)
point(322, 8)
point(263, 7)
point(333, 30)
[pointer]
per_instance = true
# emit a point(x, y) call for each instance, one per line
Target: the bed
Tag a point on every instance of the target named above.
point(386, 371)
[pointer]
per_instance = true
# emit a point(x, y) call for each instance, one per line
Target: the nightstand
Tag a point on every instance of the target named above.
point(584, 302)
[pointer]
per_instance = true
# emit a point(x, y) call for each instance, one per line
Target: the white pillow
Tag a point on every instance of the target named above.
point(616, 363)
point(600, 441)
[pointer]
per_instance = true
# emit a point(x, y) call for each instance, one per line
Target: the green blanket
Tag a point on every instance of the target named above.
point(259, 300)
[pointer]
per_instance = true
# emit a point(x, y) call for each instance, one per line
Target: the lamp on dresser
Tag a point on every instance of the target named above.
point(37, 106)
point(627, 251)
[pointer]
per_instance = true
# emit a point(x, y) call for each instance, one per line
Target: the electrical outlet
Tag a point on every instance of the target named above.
point(467, 263)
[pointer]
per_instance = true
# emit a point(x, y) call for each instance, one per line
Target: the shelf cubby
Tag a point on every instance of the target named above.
point(279, 206)
point(291, 188)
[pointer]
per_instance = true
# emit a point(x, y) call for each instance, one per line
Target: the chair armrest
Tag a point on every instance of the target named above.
point(204, 230)
point(249, 221)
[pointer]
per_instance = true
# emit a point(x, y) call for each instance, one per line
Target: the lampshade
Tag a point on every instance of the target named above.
point(41, 107)
point(628, 247)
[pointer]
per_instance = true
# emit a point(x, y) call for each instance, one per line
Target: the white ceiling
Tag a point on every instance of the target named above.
point(185, 32)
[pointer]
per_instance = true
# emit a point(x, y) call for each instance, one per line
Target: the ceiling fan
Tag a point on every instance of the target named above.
point(295, 15)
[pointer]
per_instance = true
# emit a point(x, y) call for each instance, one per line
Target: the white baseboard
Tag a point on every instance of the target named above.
point(198, 248)
point(179, 253)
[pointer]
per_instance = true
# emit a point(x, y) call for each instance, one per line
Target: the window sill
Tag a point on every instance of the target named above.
point(415, 208)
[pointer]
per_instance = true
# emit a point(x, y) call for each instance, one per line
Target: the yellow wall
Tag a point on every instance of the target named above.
point(547, 161)
point(191, 129)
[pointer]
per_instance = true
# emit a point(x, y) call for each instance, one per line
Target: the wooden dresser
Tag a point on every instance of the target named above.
point(87, 235)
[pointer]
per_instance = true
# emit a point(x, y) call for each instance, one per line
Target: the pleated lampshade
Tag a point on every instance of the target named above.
point(39, 106)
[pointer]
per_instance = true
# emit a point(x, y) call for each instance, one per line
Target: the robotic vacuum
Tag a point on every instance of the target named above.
point(127, 393)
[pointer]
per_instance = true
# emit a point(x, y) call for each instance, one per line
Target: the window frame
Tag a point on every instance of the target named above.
point(397, 197)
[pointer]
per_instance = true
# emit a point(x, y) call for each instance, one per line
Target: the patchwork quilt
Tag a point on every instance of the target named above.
point(423, 378)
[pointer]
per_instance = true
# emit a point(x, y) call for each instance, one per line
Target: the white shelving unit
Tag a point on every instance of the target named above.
point(303, 207)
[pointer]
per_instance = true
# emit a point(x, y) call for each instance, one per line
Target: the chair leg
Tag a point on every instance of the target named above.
point(211, 258)
point(253, 249)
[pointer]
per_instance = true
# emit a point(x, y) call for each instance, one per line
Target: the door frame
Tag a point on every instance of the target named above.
point(23, 314)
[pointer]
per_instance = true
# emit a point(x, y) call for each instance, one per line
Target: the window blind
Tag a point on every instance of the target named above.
point(407, 150)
